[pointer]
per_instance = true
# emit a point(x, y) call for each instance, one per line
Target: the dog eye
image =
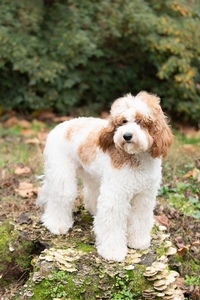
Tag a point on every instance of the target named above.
point(124, 121)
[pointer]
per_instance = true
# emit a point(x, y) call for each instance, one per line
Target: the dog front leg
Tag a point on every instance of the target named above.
point(110, 225)
point(140, 220)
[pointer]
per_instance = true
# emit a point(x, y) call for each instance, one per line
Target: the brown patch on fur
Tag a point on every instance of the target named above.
point(120, 158)
point(163, 138)
point(69, 133)
point(143, 121)
point(74, 128)
point(87, 150)
point(119, 120)
point(106, 136)
point(150, 99)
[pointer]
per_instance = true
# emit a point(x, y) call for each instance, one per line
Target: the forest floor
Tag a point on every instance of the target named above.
point(178, 203)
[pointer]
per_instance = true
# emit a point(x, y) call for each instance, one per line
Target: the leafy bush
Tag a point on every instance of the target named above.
point(66, 53)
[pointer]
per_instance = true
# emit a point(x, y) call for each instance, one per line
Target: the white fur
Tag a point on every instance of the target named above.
point(121, 199)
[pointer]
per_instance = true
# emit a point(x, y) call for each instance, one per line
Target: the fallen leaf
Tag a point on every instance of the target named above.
point(180, 282)
point(195, 174)
point(179, 241)
point(21, 170)
point(189, 148)
point(182, 251)
point(11, 122)
point(163, 220)
point(24, 219)
point(188, 174)
point(32, 141)
point(196, 243)
point(26, 190)
point(196, 293)
point(27, 132)
point(24, 123)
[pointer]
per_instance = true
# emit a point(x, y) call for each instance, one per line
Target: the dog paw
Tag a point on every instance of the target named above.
point(112, 253)
point(137, 243)
point(57, 227)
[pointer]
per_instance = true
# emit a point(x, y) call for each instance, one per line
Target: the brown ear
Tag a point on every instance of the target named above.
point(162, 136)
point(106, 136)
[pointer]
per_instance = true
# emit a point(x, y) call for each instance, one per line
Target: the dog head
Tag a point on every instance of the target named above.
point(137, 124)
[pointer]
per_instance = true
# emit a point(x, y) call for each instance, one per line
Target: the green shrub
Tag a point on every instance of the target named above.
point(65, 54)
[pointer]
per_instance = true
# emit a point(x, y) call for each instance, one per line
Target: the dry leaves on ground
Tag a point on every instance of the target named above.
point(163, 220)
point(21, 170)
point(195, 174)
point(26, 190)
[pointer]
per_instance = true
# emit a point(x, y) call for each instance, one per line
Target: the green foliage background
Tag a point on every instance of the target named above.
point(63, 54)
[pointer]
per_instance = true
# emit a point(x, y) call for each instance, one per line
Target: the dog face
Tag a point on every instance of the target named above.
point(129, 135)
point(137, 124)
point(132, 139)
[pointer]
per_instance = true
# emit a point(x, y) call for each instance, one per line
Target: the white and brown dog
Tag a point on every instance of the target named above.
point(119, 161)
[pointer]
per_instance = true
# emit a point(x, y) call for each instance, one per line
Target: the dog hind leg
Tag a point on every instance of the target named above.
point(90, 194)
point(57, 195)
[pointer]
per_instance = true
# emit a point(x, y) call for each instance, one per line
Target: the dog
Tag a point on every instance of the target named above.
point(119, 161)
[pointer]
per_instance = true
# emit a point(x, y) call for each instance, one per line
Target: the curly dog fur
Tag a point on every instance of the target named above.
point(119, 161)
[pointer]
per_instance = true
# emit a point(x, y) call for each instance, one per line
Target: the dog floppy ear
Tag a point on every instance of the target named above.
point(106, 136)
point(158, 128)
point(162, 136)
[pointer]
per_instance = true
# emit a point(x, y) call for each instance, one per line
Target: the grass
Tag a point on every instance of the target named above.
point(179, 199)
point(181, 177)
point(183, 197)
point(17, 149)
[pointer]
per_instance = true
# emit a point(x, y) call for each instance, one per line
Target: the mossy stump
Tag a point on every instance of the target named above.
point(70, 268)
point(16, 253)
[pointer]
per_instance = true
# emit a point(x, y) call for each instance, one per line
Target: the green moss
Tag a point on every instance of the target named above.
point(15, 252)
point(84, 247)
point(5, 236)
point(186, 264)
point(61, 284)
point(6, 240)
point(160, 250)
point(130, 286)
point(86, 217)
point(192, 280)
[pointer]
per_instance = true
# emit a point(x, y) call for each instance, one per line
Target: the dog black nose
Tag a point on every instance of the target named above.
point(127, 136)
